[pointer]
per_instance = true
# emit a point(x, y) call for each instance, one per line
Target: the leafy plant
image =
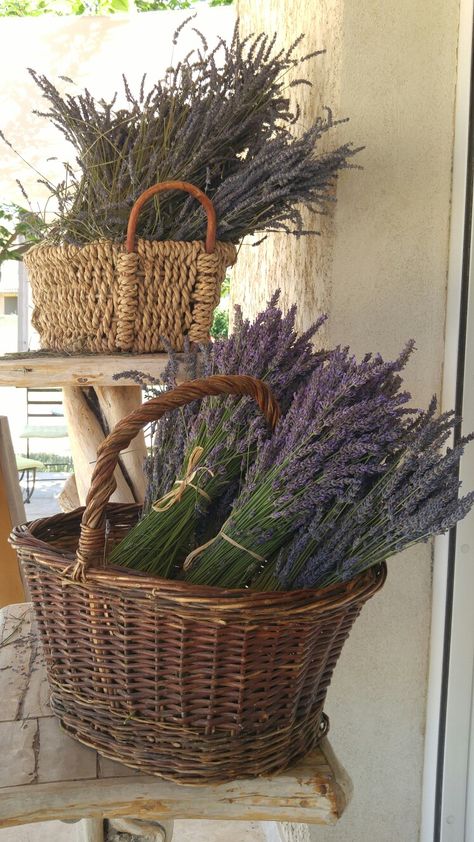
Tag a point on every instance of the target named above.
point(34, 8)
point(220, 324)
point(54, 462)
point(19, 229)
point(220, 119)
point(162, 5)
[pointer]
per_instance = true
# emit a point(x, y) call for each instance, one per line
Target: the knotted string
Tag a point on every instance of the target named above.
point(180, 485)
point(188, 561)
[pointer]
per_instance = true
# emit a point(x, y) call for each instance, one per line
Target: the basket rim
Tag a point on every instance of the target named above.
point(72, 248)
point(24, 538)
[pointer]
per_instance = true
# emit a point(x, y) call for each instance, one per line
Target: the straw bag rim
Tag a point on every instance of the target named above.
point(119, 244)
point(131, 240)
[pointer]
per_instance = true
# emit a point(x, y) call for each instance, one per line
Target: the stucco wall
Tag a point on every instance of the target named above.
point(380, 271)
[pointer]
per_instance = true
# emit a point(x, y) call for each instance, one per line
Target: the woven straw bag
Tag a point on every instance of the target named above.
point(104, 297)
point(191, 683)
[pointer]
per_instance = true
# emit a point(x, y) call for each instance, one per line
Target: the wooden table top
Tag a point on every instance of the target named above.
point(45, 774)
point(39, 369)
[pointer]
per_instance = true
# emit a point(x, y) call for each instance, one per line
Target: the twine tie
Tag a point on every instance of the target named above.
point(176, 493)
point(190, 558)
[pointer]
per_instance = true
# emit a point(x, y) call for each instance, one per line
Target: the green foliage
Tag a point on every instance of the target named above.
point(31, 8)
point(34, 8)
point(220, 325)
point(225, 288)
point(98, 7)
point(162, 5)
point(19, 229)
point(54, 462)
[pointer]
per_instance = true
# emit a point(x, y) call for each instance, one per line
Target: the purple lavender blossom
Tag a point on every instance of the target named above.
point(352, 474)
point(230, 431)
point(415, 498)
point(332, 443)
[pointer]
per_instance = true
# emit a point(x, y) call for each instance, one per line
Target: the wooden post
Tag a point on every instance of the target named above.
point(68, 499)
point(22, 307)
point(116, 402)
point(85, 435)
point(12, 512)
point(155, 831)
point(90, 830)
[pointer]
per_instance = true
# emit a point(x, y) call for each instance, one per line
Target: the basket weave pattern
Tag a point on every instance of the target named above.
point(191, 683)
point(99, 298)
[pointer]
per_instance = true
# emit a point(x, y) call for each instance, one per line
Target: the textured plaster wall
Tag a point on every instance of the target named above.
point(380, 271)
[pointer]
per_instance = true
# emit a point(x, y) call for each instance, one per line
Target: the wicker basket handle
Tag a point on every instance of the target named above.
point(92, 539)
point(173, 185)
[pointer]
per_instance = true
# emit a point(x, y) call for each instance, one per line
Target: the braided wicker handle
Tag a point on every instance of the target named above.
point(103, 484)
point(173, 185)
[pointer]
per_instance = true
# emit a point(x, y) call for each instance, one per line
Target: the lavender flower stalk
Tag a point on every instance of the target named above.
point(221, 119)
point(334, 441)
point(228, 431)
point(416, 498)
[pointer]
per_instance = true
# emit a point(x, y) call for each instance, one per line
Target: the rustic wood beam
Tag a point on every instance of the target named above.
point(116, 403)
point(90, 370)
point(85, 436)
point(12, 512)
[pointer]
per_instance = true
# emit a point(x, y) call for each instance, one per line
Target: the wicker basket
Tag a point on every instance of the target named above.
point(104, 297)
point(191, 683)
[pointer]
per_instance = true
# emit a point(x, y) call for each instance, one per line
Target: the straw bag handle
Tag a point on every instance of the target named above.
point(103, 484)
point(173, 185)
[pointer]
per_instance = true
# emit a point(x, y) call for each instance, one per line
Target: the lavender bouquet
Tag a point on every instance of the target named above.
point(221, 118)
point(352, 474)
point(215, 440)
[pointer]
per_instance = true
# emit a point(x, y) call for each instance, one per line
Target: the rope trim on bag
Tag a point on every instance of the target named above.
point(98, 298)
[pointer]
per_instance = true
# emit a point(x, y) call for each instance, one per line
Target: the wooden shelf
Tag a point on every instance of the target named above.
point(42, 370)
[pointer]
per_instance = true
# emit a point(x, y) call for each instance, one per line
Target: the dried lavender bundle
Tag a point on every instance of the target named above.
point(221, 118)
point(416, 498)
point(335, 442)
point(228, 431)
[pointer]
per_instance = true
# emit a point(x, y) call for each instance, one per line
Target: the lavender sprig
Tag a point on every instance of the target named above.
point(352, 475)
point(334, 440)
point(229, 432)
point(221, 118)
point(415, 498)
